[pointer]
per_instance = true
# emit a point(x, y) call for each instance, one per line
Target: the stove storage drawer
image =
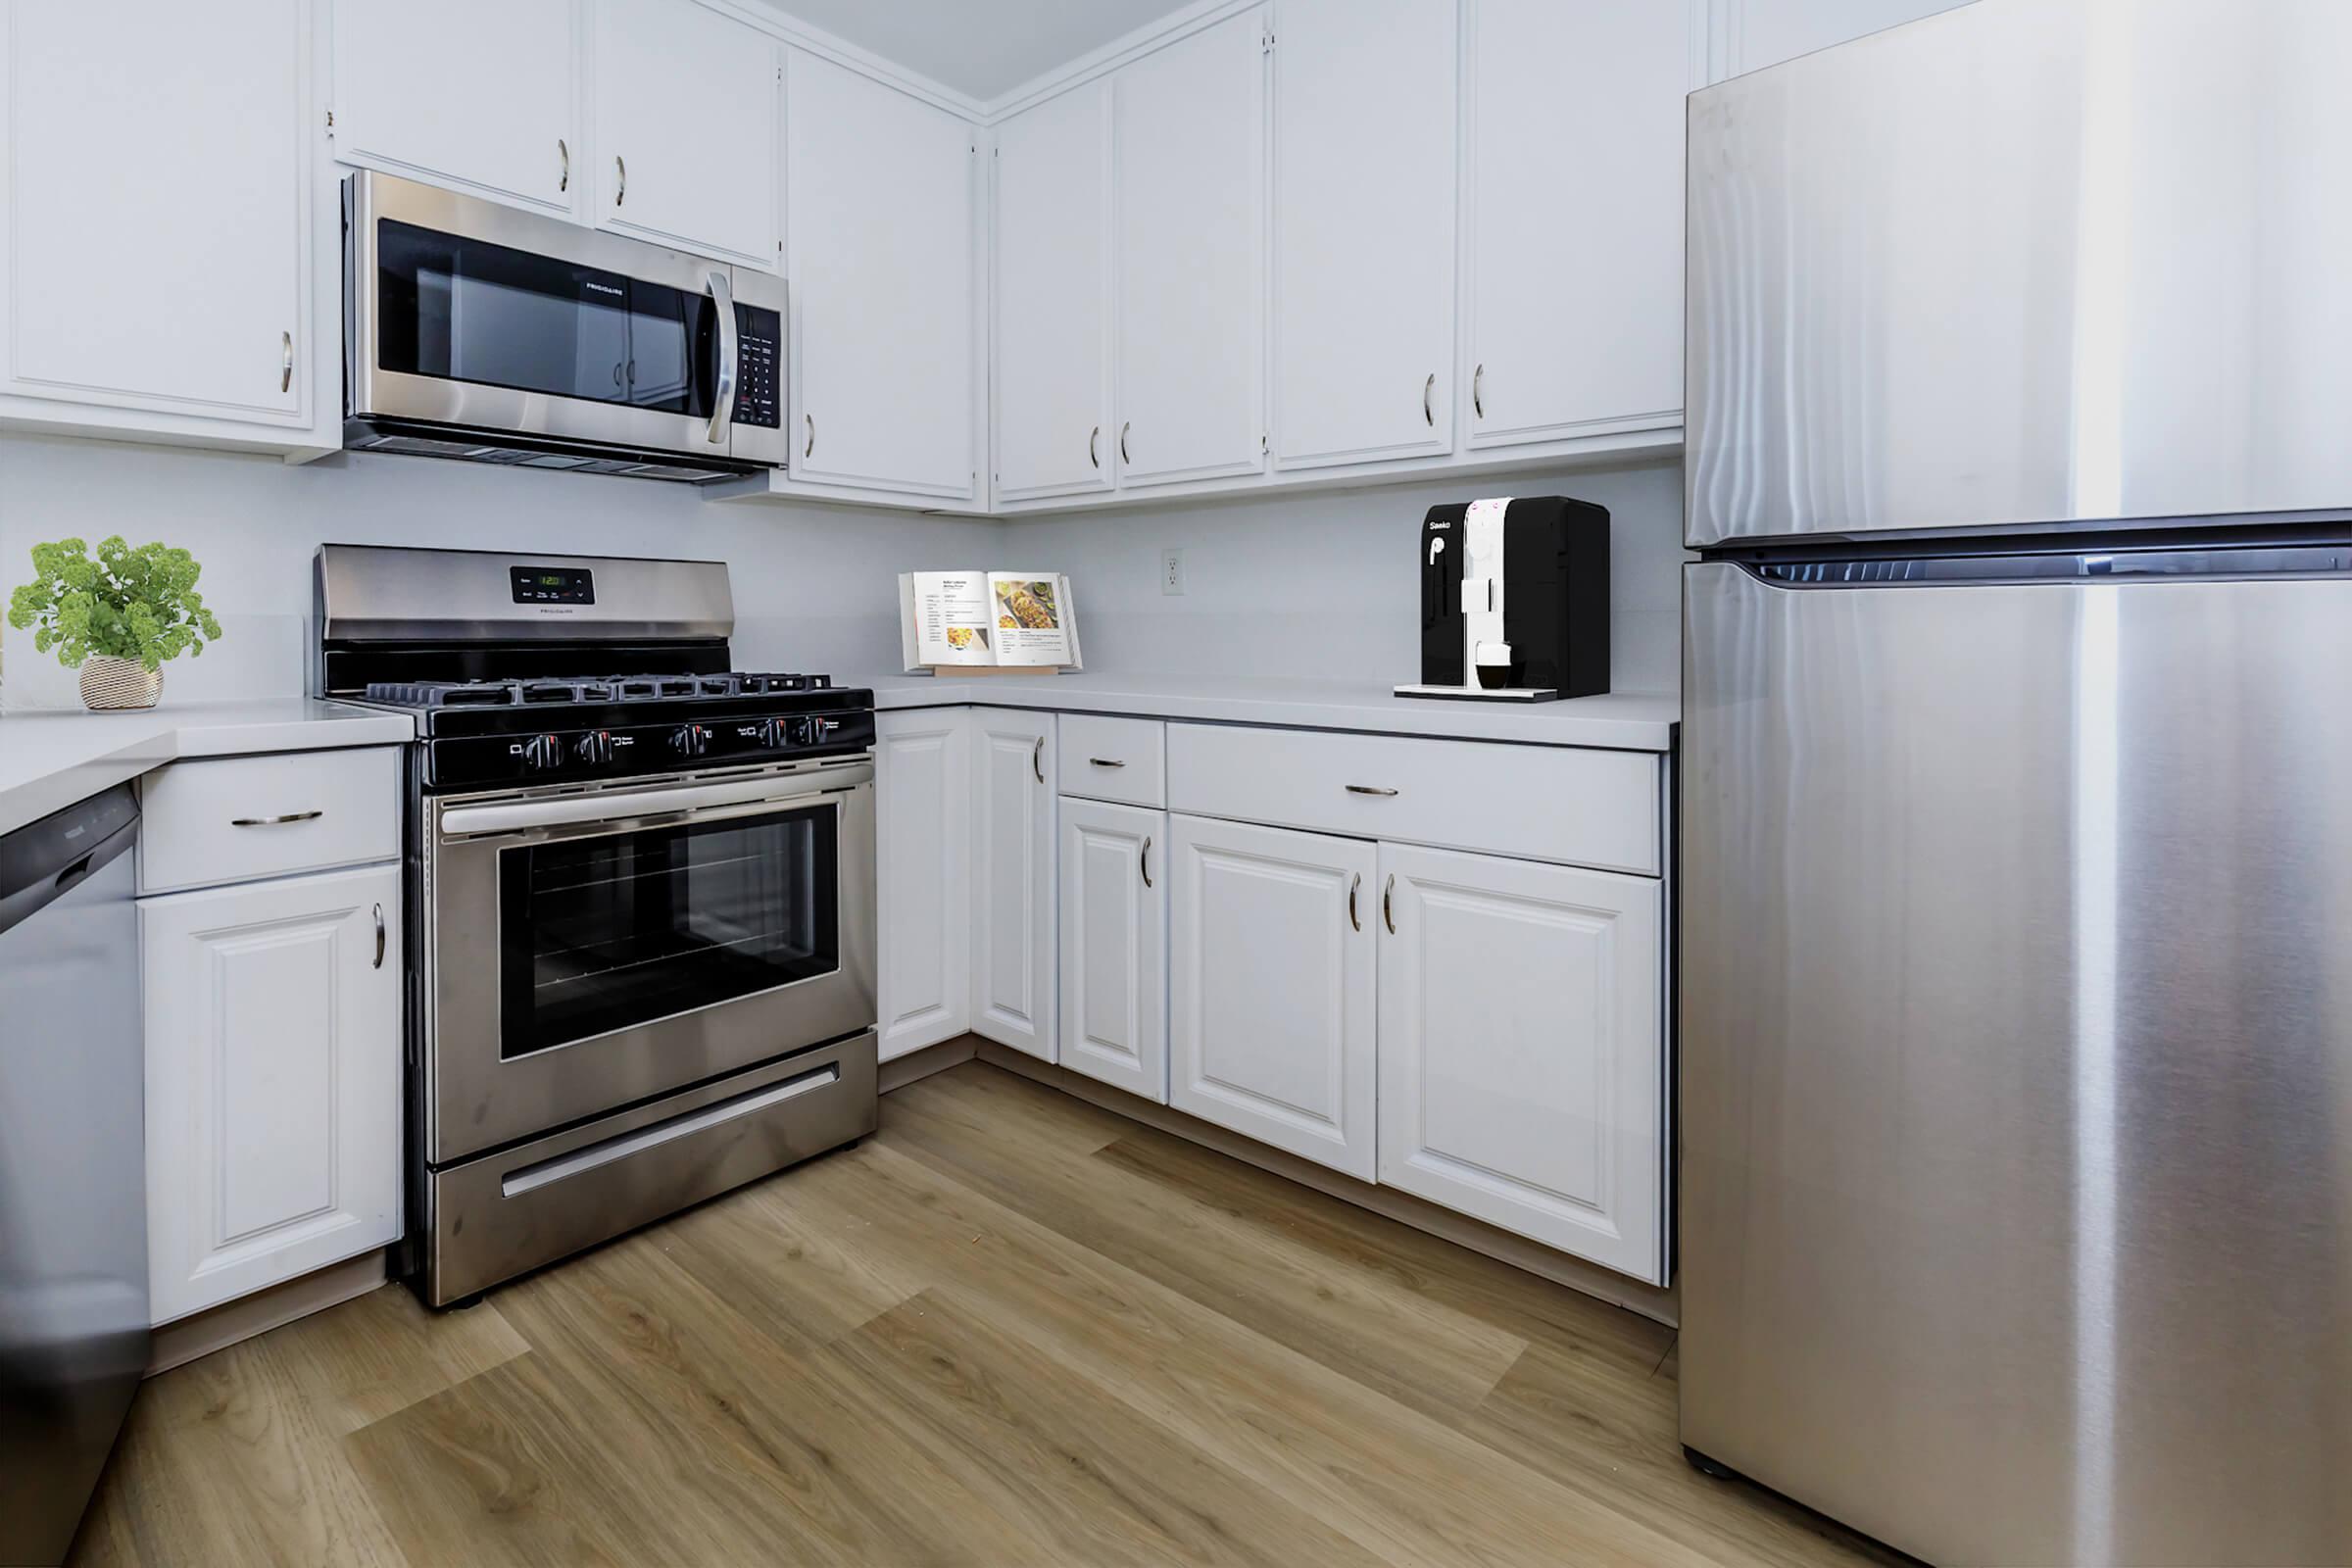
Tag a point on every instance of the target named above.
point(1576, 805)
point(240, 818)
point(1120, 760)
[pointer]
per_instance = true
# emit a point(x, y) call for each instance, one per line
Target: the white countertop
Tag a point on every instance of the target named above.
point(48, 760)
point(1632, 721)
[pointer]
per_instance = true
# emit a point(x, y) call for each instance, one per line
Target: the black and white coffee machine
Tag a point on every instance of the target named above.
point(1514, 599)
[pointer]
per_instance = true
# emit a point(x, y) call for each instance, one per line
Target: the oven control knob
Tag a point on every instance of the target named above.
point(595, 747)
point(775, 734)
point(818, 731)
point(690, 740)
point(543, 752)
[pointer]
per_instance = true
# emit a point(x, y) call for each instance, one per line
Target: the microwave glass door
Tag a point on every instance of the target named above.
point(458, 309)
point(612, 931)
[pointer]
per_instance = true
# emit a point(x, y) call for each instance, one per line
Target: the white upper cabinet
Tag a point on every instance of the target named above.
point(1364, 155)
point(1522, 1057)
point(686, 127)
point(154, 245)
point(1011, 828)
point(1052, 297)
point(1751, 34)
point(1190, 148)
point(498, 117)
point(880, 199)
point(1575, 217)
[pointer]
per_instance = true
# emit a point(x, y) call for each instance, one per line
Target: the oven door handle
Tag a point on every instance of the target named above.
point(624, 807)
point(730, 356)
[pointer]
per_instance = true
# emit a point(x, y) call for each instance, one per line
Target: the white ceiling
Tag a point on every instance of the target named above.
point(983, 48)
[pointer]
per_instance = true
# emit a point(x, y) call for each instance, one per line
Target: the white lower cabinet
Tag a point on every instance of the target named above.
point(1113, 917)
point(924, 876)
point(1522, 1065)
point(274, 1081)
point(1012, 798)
point(1272, 990)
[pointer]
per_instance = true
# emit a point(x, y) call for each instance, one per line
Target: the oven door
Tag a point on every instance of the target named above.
point(466, 313)
point(590, 949)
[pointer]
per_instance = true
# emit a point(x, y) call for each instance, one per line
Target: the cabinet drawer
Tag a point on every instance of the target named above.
point(1122, 760)
point(242, 818)
point(1572, 805)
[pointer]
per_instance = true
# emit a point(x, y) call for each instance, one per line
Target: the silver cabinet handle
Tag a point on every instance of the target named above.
point(622, 194)
point(564, 152)
point(730, 353)
point(1388, 904)
point(379, 936)
point(1352, 886)
point(275, 821)
point(809, 451)
point(1429, 407)
point(1106, 762)
point(1478, 402)
point(1123, 430)
point(1369, 789)
point(1036, 758)
point(285, 368)
point(1093, 447)
point(1144, 860)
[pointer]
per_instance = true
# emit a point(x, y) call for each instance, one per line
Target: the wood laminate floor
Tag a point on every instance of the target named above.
point(1012, 1328)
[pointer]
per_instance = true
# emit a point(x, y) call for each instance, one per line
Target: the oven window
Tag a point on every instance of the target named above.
point(603, 933)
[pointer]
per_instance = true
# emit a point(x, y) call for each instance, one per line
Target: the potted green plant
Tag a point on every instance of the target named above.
point(117, 615)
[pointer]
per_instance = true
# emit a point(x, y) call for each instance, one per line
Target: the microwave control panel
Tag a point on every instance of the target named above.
point(761, 336)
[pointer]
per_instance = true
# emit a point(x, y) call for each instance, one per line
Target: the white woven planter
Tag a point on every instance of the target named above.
point(110, 682)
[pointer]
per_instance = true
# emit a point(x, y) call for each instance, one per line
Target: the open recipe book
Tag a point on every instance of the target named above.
point(988, 621)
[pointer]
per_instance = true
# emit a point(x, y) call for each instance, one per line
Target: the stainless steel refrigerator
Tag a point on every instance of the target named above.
point(2016, 987)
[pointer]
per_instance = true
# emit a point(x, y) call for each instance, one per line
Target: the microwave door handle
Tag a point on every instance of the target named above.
point(730, 351)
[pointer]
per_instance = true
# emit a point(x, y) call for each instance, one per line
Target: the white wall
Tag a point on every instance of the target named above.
point(815, 586)
point(1324, 586)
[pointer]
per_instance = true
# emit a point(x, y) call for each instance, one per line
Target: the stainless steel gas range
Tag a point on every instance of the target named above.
point(641, 906)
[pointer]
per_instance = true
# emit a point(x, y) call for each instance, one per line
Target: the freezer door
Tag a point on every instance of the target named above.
point(2016, 1080)
point(2025, 262)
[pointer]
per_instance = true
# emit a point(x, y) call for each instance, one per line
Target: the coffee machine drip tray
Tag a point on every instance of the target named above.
point(1485, 694)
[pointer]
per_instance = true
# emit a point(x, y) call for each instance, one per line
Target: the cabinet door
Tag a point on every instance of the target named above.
point(1755, 33)
point(497, 116)
point(156, 246)
point(880, 227)
point(1190, 144)
point(1114, 945)
point(1522, 1052)
point(1271, 999)
point(924, 876)
point(1364, 230)
point(1053, 289)
point(686, 127)
point(1575, 215)
point(274, 1081)
point(1012, 878)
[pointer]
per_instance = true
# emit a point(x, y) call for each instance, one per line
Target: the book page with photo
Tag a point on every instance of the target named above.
point(954, 618)
point(1030, 623)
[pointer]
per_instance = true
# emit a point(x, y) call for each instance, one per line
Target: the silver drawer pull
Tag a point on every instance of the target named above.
point(275, 821)
point(379, 936)
point(1369, 789)
point(1036, 758)
point(1106, 762)
point(1144, 860)
point(1354, 887)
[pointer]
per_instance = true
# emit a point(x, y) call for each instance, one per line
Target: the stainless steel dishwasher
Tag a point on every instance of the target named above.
point(73, 1321)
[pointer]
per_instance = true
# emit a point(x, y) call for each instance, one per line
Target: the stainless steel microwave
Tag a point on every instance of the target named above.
point(475, 332)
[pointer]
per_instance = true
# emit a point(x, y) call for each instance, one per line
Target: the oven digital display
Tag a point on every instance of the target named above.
point(554, 585)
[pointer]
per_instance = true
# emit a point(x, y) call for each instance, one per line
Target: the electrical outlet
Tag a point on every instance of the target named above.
point(1171, 571)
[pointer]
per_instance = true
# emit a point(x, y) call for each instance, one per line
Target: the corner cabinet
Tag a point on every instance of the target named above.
point(154, 225)
point(1012, 798)
point(1522, 1063)
point(274, 1081)
point(497, 118)
point(923, 872)
point(1113, 920)
point(1271, 987)
point(880, 224)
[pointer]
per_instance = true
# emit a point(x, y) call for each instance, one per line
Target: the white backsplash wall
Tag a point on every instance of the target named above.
point(1325, 586)
point(815, 587)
